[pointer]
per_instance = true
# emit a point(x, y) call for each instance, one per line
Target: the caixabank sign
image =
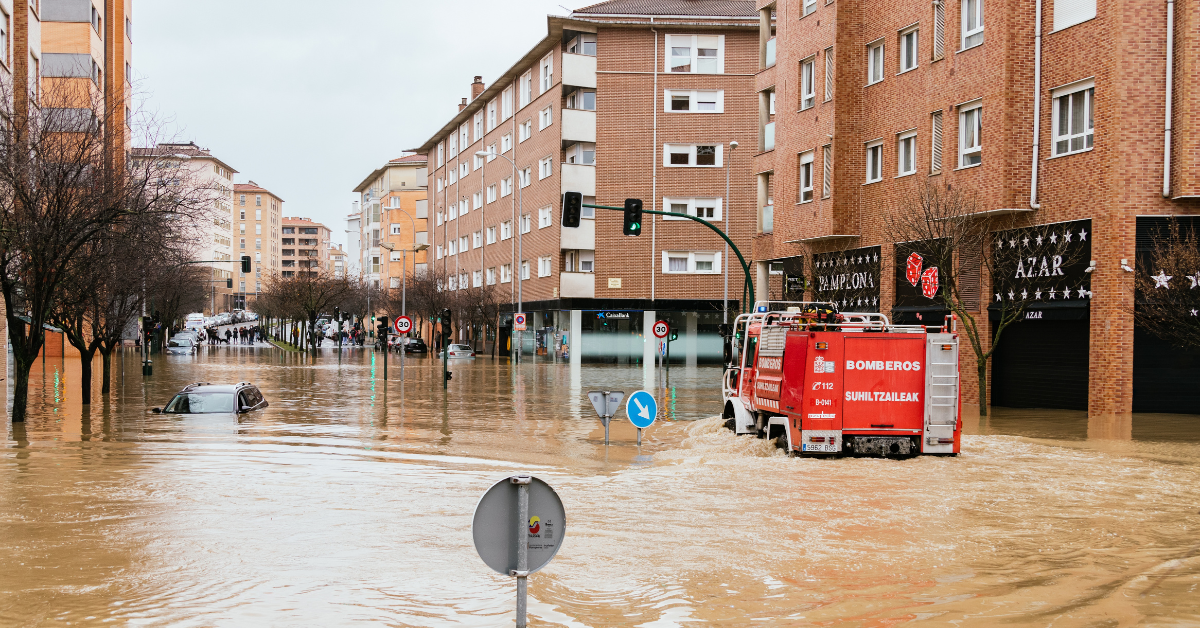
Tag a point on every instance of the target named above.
point(1041, 274)
point(848, 278)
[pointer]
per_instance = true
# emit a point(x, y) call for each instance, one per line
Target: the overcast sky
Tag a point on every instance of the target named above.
point(307, 98)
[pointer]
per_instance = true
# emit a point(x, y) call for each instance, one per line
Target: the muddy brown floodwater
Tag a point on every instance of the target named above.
point(349, 501)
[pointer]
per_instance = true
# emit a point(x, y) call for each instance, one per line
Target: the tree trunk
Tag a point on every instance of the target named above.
point(20, 389)
point(85, 375)
point(106, 375)
point(983, 405)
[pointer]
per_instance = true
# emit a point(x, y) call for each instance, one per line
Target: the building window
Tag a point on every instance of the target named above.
point(906, 154)
point(524, 271)
point(4, 31)
point(464, 136)
point(806, 176)
point(581, 153)
point(546, 118)
point(242, 202)
point(525, 130)
point(506, 104)
point(506, 230)
point(874, 162)
point(874, 63)
point(491, 193)
point(258, 200)
point(696, 54)
point(257, 229)
point(476, 279)
point(523, 177)
point(452, 248)
point(547, 72)
point(1073, 122)
point(491, 115)
point(526, 88)
point(545, 217)
point(545, 168)
point(491, 276)
point(695, 101)
point(243, 244)
point(1071, 12)
point(464, 169)
point(464, 244)
point(970, 136)
point(972, 23)
point(908, 50)
point(939, 30)
point(491, 235)
point(544, 266)
point(809, 7)
point(452, 147)
point(829, 74)
point(395, 229)
point(477, 239)
point(478, 163)
point(695, 155)
point(491, 151)
point(506, 143)
point(584, 99)
point(707, 208)
point(452, 282)
point(506, 273)
point(584, 44)
point(525, 224)
point(691, 262)
point(440, 218)
point(439, 251)
point(827, 170)
point(453, 177)
point(440, 184)
point(506, 187)
point(808, 88)
point(477, 200)
point(935, 161)
point(478, 126)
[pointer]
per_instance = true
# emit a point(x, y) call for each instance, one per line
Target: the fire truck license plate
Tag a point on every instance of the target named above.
point(827, 448)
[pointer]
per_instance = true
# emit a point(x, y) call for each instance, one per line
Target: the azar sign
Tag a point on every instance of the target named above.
point(1043, 265)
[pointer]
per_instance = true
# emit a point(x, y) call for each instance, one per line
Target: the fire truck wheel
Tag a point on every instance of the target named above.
point(730, 425)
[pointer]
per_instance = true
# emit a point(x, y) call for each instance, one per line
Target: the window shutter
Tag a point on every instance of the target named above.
point(939, 29)
point(936, 163)
point(827, 167)
point(829, 74)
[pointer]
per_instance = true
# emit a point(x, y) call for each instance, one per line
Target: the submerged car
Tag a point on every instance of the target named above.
point(181, 344)
point(460, 351)
point(203, 398)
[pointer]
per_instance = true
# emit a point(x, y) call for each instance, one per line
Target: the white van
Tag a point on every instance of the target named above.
point(194, 321)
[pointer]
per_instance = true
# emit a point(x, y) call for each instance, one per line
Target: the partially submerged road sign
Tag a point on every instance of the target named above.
point(496, 522)
point(519, 322)
point(606, 403)
point(641, 409)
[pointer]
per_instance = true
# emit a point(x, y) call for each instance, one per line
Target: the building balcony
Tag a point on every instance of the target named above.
point(578, 178)
point(768, 137)
point(582, 237)
point(579, 70)
point(578, 125)
point(577, 286)
point(422, 209)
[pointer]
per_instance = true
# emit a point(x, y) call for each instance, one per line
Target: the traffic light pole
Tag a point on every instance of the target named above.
point(745, 266)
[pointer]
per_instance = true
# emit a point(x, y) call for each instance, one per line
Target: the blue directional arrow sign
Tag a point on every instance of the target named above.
point(641, 409)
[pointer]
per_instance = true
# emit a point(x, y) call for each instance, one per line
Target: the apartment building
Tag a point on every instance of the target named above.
point(337, 260)
point(258, 219)
point(354, 242)
point(304, 247)
point(212, 241)
point(622, 99)
point(84, 42)
point(393, 232)
point(1038, 113)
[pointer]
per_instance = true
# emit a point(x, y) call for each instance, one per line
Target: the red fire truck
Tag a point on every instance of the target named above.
point(826, 382)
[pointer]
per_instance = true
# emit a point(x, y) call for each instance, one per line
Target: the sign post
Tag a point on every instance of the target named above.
point(606, 403)
point(525, 509)
point(403, 325)
point(641, 409)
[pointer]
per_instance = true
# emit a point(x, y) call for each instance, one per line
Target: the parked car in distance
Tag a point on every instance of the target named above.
point(203, 398)
point(181, 344)
point(460, 351)
point(415, 345)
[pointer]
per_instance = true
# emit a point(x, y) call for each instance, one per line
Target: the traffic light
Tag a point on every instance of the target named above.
point(633, 217)
point(674, 335)
point(229, 283)
point(572, 208)
point(449, 375)
point(245, 264)
point(382, 320)
point(147, 324)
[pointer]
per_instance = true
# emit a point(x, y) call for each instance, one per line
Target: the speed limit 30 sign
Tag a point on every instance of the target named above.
point(403, 324)
point(661, 329)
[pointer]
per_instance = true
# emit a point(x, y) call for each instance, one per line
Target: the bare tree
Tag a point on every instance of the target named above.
point(307, 295)
point(1167, 287)
point(64, 182)
point(946, 241)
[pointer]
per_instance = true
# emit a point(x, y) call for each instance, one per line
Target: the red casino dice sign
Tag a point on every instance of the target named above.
point(913, 274)
point(929, 282)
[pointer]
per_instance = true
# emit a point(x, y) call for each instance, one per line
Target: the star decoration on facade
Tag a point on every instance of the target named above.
point(1082, 235)
point(876, 257)
point(1193, 312)
point(1195, 280)
point(1024, 294)
point(1066, 293)
point(1052, 293)
point(1067, 237)
point(1025, 241)
point(1012, 244)
point(1038, 240)
point(998, 297)
point(1053, 238)
point(1161, 279)
point(874, 300)
point(1082, 293)
point(1011, 296)
point(1000, 244)
point(1038, 295)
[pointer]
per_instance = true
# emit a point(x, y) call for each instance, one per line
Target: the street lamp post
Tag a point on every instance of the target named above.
point(728, 223)
point(517, 262)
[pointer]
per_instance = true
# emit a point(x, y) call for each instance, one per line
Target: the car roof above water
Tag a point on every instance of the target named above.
point(215, 388)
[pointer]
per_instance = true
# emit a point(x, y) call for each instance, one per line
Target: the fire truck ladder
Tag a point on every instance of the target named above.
point(941, 395)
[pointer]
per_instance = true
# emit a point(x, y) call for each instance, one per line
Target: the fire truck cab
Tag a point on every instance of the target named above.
point(826, 382)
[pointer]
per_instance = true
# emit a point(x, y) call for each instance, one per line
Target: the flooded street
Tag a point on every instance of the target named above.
point(349, 500)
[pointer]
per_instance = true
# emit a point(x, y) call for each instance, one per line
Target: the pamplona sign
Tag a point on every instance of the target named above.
point(1043, 267)
point(848, 278)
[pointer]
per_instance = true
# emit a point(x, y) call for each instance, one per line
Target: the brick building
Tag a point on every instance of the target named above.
point(392, 222)
point(304, 247)
point(623, 99)
point(258, 217)
point(857, 102)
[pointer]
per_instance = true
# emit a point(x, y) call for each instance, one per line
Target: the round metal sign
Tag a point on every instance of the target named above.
point(642, 409)
point(661, 329)
point(495, 526)
point(403, 324)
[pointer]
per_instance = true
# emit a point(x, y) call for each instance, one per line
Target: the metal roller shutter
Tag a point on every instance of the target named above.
point(1042, 364)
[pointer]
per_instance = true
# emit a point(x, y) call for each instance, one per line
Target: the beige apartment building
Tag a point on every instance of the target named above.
point(304, 247)
point(392, 221)
point(258, 217)
point(623, 99)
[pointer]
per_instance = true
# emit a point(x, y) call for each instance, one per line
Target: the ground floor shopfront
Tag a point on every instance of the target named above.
point(1073, 346)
